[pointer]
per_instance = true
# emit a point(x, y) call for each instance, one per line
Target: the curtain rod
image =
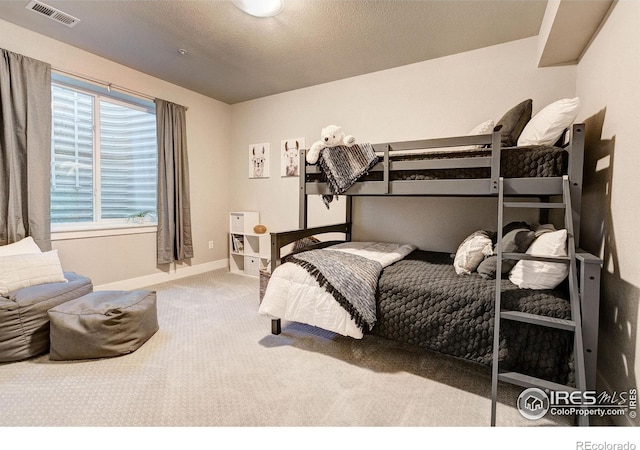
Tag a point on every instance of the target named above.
point(105, 83)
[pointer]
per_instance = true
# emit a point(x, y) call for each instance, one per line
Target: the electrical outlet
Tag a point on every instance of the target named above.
point(210, 244)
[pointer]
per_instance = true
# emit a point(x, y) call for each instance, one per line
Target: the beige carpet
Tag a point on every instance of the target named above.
point(214, 363)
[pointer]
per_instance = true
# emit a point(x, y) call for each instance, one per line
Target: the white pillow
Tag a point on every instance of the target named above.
point(482, 128)
point(31, 269)
point(540, 274)
point(546, 127)
point(26, 245)
point(472, 251)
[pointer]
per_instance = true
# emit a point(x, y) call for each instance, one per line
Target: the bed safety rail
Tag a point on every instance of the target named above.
point(422, 187)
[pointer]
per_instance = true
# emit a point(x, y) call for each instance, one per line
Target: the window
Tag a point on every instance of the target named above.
point(103, 157)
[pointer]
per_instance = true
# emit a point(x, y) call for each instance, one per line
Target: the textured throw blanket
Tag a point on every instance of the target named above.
point(351, 279)
point(342, 166)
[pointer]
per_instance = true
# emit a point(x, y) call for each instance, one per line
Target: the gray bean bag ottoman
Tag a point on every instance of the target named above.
point(102, 324)
point(24, 322)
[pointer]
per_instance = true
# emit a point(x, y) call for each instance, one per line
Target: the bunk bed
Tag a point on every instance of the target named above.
point(473, 166)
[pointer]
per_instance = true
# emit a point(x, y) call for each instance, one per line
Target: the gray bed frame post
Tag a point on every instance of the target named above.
point(590, 268)
point(302, 202)
point(385, 174)
point(496, 145)
point(276, 324)
point(348, 217)
point(590, 265)
point(575, 172)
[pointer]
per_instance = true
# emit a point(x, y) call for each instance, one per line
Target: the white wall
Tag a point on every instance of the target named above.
point(608, 81)
point(113, 259)
point(442, 97)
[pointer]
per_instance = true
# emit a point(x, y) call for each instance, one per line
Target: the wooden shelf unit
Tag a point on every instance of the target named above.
point(249, 252)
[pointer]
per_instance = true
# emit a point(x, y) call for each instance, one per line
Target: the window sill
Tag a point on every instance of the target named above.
point(82, 232)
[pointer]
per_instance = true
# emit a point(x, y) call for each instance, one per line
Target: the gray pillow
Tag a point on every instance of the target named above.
point(300, 244)
point(515, 241)
point(513, 122)
point(308, 243)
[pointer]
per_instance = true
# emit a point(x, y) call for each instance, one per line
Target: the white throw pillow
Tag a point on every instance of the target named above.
point(546, 127)
point(472, 251)
point(26, 245)
point(540, 274)
point(32, 269)
point(482, 128)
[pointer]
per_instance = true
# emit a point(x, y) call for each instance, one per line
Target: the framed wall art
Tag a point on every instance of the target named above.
point(259, 160)
point(289, 157)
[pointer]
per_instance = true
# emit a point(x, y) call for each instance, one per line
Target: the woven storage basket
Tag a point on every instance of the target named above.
point(264, 280)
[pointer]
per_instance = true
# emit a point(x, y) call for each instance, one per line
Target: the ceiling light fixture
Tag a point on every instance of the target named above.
point(260, 8)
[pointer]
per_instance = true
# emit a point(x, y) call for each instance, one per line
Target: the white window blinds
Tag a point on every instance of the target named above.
point(104, 158)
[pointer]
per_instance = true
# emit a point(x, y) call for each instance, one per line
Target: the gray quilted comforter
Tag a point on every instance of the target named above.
point(422, 301)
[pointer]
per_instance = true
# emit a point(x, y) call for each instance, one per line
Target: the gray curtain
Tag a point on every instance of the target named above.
point(174, 209)
point(25, 149)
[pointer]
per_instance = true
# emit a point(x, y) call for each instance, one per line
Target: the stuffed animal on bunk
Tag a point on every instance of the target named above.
point(331, 136)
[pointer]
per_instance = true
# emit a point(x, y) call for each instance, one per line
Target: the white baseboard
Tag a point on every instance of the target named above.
point(176, 272)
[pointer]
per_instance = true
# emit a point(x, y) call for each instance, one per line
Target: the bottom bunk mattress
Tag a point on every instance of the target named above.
point(422, 301)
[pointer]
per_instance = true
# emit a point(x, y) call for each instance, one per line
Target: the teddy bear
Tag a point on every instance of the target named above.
point(331, 136)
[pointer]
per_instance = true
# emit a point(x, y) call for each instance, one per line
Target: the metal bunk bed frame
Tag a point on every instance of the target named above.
point(588, 266)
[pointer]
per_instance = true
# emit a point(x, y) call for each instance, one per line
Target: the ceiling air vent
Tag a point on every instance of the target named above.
point(52, 13)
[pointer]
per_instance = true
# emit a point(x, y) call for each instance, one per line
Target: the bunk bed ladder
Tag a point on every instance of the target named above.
point(574, 325)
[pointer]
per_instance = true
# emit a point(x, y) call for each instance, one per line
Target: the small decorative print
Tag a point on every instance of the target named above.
point(289, 157)
point(259, 160)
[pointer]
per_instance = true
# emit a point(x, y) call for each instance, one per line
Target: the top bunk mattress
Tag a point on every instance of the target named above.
point(515, 162)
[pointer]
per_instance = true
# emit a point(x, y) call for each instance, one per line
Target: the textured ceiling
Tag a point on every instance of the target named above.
point(234, 57)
